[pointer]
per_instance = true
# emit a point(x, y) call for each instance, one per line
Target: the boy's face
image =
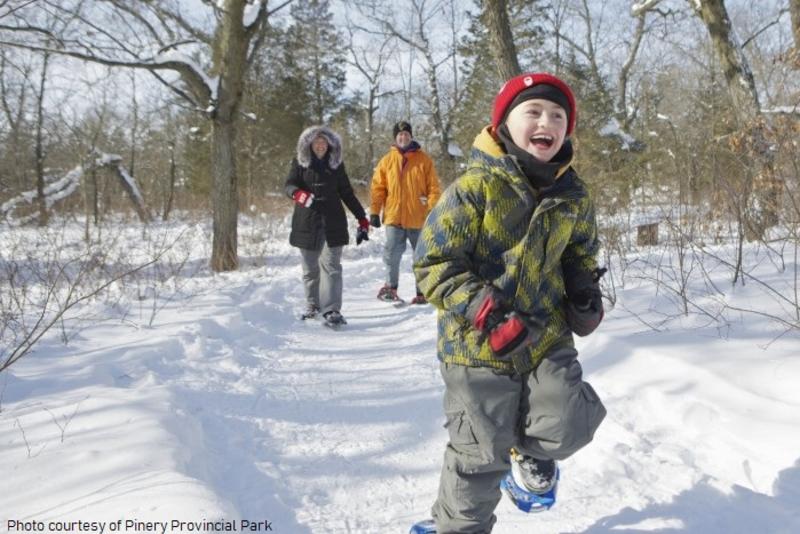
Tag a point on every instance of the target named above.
point(539, 127)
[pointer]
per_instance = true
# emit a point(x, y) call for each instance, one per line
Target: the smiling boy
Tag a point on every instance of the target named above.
point(508, 256)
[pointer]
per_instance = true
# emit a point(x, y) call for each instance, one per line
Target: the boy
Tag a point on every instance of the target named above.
point(508, 258)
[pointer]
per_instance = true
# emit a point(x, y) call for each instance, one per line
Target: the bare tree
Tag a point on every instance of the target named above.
point(766, 185)
point(371, 63)
point(39, 154)
point(418, 37)
point(161, 37)
point(15, 91)
point(592, 48)
point(495, 16)
point(794, 9)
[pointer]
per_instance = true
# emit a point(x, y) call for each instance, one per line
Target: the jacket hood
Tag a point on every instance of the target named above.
point(308, 136)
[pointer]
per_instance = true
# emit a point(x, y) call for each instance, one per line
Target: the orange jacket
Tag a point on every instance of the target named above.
point(405, 187)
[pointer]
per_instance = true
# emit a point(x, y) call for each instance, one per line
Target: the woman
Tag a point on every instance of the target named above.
point(318, 184)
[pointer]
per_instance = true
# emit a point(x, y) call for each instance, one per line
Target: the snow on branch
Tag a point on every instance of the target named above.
point(61, 188)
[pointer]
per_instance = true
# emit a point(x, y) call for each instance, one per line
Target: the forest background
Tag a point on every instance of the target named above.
point(687, 131)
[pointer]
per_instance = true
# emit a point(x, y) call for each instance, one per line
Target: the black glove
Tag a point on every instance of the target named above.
point(584, 305)
point(375, 220)
point(361, 235)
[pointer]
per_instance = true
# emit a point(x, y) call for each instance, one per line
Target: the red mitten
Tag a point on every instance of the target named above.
point(508, 335)
point(304, 198)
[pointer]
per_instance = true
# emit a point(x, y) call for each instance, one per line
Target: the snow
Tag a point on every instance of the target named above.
point(250, 14)
point(221, 407)
point(172, 55)
point(454, 150)
point(612, 128)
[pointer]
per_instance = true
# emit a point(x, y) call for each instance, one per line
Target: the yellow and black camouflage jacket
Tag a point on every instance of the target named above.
point(492, 227)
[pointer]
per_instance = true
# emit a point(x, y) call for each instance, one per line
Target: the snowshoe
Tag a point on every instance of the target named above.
point(389, 294)
point(424, 527)
point(526, 500)
point(419, 299)
point(334, 319)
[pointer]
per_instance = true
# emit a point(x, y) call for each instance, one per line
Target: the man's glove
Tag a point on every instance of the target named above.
point(585, 304)
point(507, 330)
point(362, 233)
point(375, 220)
point(304, 198)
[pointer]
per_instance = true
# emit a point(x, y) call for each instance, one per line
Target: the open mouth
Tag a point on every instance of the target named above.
point(542, 141)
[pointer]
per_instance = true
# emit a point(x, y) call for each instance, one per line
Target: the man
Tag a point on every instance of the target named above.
point(405, 187)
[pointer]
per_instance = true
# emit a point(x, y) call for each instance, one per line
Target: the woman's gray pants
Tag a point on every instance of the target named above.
point(547, 413)
point(322, 277)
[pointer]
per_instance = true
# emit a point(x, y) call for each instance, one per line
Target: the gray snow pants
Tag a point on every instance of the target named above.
point(547, 413)
point(322, 277)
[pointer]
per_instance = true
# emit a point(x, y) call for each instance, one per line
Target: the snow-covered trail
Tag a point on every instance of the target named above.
point(232, 407)
point(334, 427)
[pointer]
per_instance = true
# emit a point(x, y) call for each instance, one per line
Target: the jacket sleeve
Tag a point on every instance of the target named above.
point(579, 259)
point(346, 193)
point(378, 188)
point(445, 273)
point(434, 191)
point(293, 181)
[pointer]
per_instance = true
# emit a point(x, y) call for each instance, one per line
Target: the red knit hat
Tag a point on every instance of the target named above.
point(513, 87)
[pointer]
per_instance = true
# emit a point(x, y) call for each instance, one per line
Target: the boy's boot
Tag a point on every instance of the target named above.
point(536, 476)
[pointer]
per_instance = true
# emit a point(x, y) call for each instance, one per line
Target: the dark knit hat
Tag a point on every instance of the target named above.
point(534, 85)
point(402, 126)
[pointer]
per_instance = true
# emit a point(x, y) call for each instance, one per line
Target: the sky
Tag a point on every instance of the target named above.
point(203, 401)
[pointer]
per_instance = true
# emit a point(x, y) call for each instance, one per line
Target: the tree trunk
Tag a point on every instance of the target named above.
point(794, 53)
point(371, 109)
point(495, 15)
point(230, 63)
point(764, 186)
point(39, 149)
point(739, 78)
point(171, 190)
point(224, 255)
point(132, 190)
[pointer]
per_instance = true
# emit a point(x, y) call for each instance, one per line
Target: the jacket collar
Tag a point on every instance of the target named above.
point(412, 147)
point(488, 149)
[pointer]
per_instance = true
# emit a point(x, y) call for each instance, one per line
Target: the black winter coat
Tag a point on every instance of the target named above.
point(325, 219)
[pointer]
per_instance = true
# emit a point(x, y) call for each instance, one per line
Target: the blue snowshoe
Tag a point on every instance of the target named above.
point(424, 527)
point(526, 500)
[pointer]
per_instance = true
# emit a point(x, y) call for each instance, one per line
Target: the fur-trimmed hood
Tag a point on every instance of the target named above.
point(308, 136)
